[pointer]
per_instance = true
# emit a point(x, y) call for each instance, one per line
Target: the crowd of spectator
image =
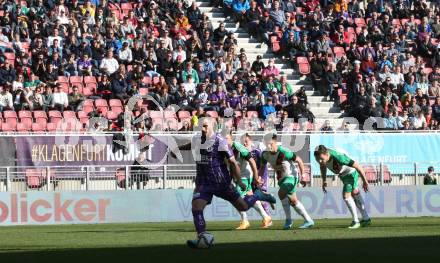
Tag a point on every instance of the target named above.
point(378, 58)
point(65, 55)
point(375, 58)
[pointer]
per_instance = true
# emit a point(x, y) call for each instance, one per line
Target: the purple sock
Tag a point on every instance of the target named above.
point(266, 207)
point(199, 221)
point(250, 200)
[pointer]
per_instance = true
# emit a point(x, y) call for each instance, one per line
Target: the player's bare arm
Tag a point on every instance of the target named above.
point(236, 173)
point(300, 163)
point(361, 172)
point(323, 169)
point(255, 171)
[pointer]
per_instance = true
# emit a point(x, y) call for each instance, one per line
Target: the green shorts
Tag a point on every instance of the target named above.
point(288, 184)
point(248, 183)
point(350, 182)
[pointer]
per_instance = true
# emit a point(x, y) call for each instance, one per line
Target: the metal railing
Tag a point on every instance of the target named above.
point(175, 176)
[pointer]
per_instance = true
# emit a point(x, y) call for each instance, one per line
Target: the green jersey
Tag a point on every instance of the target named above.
point(340, 164)
point(281, 162)
point(242, 155)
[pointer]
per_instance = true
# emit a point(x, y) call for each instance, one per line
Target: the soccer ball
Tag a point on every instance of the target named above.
point(206, 240)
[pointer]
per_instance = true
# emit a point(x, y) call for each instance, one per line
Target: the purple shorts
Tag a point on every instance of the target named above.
point(206, 192)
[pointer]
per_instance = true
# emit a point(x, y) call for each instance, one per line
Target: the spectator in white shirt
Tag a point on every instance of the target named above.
point(419, 122)
point(125, 54)
point(190, 86)
point(3, 38)
point(397, 78)
point(55, 35)
point(179, 53)
point(60, 99)
point(109, 64)
point(6, 102)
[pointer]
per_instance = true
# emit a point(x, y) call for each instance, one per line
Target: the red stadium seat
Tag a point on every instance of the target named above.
point(24, 114)
point(183, 114)
point(115, 103)
point(303, 65)
point(63, 79)
point(212, 114)
point(69, 114)
point(35, 178)
point(65, 86)
point(39, 114)
point(156, 114)
point(76, 79)
point(88, 108)
point(101, 103)
point(55, 116)
point(386, 175)
point(117, 110)
point(10, 118)
point(90, 79)
point(169, 114)
point(111, 115)
point(39, 127)
point(370, 174)
point(89, 89)
point(51, 127)
point(24, 126)
point(8, 127)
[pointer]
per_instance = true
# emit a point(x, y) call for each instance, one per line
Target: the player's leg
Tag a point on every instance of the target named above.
point(199, 202)
point(264, 187)
point(244, 222)
point(282, 194)
point(301, 210)
point(248, 201)
point(359, 201)
point(288, 186)
point(267, 220)
point(348, 181)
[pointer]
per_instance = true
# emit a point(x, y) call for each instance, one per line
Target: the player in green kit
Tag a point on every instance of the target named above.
point(249, 176)
point(282, 161)
point(349, 171)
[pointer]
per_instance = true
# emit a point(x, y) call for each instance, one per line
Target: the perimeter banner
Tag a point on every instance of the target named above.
point(72, 150)
point(83, 207)
point(398, 151)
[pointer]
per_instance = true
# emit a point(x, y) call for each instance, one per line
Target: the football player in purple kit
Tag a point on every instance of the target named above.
point(214, 178)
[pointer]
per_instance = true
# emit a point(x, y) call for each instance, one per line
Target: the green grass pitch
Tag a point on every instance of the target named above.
point(386, 240)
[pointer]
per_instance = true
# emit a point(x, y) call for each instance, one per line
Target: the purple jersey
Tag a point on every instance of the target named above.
point(211, 168)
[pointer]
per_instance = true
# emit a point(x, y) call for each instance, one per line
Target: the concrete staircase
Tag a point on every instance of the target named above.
point(321, 108)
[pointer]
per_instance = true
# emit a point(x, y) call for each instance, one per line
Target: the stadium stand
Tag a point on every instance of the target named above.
point(89, 57)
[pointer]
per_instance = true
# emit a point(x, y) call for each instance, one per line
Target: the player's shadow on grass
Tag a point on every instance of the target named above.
point(392, 249)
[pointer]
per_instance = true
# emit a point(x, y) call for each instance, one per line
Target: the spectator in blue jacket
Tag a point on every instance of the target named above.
point(240, 7)
point(410, 86)
point(267, 109)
